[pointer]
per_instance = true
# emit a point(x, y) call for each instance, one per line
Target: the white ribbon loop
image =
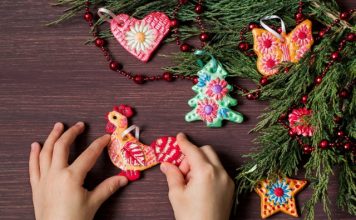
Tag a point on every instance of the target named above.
point(269, 29)
point(106, 14)
point(131, 128)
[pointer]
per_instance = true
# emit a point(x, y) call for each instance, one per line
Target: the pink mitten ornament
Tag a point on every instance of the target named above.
point(129, 154)
point(139, 37)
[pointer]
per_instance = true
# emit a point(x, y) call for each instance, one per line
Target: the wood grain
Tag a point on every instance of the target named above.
point(48, 75)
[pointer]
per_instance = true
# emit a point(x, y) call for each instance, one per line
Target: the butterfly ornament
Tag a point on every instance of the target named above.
point(273, 48)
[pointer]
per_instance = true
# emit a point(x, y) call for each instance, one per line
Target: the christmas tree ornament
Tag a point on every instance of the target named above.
point(139, 37)
point(278, 196)
point(273, 48)
point(129, 154)
point(212, 102)
point(299, 122)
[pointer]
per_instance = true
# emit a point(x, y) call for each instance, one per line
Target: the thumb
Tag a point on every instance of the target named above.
point(106, 188)
point(174, 176)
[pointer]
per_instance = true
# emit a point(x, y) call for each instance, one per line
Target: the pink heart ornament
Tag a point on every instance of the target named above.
point(140, 37)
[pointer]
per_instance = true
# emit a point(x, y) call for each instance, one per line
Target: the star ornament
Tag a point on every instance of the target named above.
point(278, 196)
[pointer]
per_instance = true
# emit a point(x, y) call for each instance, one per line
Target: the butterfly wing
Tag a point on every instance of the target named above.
point(300, 40)
point(269, 51)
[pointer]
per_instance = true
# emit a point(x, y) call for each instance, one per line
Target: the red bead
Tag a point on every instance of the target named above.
point(185, 48)
point(88, 16)
point(324, 144)
point(195, 80)
point(291, 133)
point(350, 37)
point(307, 149)
point(138, 79)
point(340, 133)
point(335, 56)
point(337, 119)
point(299, 17)
point(279, 30)
point(304, 99)
point(347, 146)
point(198, 9)
point(282, 117)
point(318, 80)
point(252, 26)
point(243, 46)
point(174, 23)
point(115, 66)
point(99, 42)
point(344, 15)
point(250, 96)
point(344, 94)
point(286, 70)
point(204, 37)
point(322, 33)
point(264, 81)
point(168, 76)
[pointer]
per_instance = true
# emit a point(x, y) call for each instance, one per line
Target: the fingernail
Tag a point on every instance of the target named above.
point(33, 145)
point(57, 125)
point(80, 124)
point(123, 181)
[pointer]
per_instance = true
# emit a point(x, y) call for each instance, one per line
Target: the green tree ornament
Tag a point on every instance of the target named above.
point(212, 102)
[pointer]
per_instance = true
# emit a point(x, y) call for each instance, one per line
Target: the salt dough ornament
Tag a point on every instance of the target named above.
point(273, 48)
point(139, 37)
point(212, 102)
point(278, 196)
point(129, 154)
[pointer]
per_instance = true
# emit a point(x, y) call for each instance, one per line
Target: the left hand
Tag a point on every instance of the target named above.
point(57, 187)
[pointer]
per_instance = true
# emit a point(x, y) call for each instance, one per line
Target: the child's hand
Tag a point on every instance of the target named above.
point(200, 189)
point(57, 187)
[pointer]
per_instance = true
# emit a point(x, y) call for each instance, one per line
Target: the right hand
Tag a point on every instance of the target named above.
point(200, 188)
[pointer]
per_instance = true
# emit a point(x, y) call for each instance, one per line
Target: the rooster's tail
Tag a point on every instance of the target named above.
point(167, 150)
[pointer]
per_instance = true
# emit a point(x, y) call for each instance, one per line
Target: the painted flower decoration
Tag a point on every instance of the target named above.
point(302, 36)
point(269, 62)
point(299, 122)
point(267, 43)
point(207, 109)
point(279, 192)
point(217, 88)
point(140, 37)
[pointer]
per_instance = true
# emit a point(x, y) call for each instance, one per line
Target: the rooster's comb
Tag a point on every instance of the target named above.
point(125, 110)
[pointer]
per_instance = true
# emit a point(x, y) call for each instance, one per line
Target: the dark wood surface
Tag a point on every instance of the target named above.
point(48, 75)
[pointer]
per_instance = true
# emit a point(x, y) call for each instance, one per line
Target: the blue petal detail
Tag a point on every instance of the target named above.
point(203, 79)
point(223, 112)
point(278, 200)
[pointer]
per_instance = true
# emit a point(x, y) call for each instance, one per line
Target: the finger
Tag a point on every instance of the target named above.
point(193, 154)
point(87, 159)
point(184, 166)
point(174, 177)
point(105, 189)
point(61, 147)
point(211, 155)
point(34, 165)
point(47, 150)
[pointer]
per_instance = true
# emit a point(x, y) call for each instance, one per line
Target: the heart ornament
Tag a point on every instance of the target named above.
point(139, 37)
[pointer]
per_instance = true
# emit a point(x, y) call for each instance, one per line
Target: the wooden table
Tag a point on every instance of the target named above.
point(48, 75)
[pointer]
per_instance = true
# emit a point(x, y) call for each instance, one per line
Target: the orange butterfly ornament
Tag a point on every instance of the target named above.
point(273, 48)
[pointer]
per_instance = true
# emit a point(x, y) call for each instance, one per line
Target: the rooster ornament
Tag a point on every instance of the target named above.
point(129, 154)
